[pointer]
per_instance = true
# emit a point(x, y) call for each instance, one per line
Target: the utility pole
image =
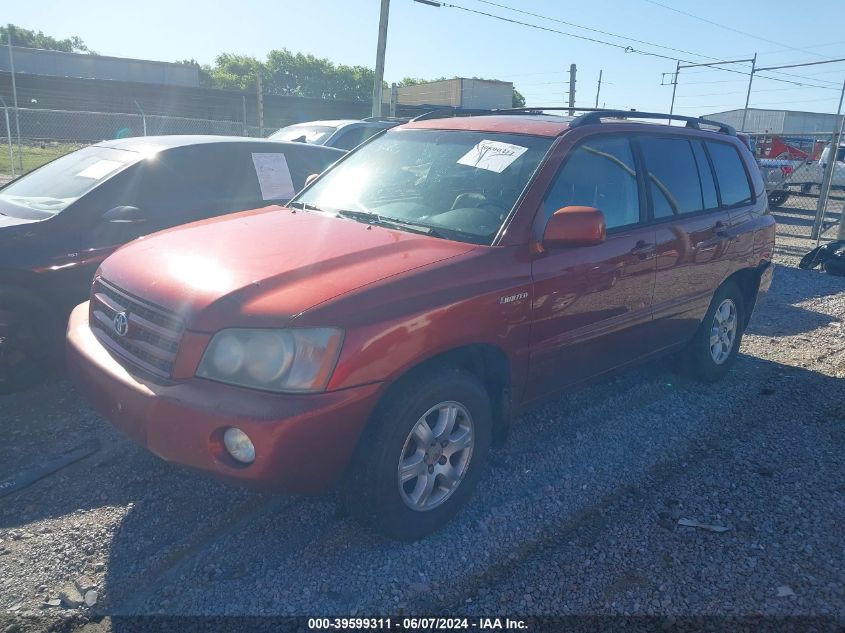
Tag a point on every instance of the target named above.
point(748, 94)
point(260, 98)
point(572, 72)
point(674, 89)
point(598, 90)
point(14, 95)
point(243, 106)
point(382, 45)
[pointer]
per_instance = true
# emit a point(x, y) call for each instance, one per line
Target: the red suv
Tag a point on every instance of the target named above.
point(383, 328)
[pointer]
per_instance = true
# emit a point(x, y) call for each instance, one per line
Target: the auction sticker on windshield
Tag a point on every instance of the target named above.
point(100, 169)
point(492, 155)
point(273, 176)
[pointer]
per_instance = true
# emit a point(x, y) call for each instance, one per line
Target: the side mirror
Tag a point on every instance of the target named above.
point(311, 179)
point(124, 215)
point(575, 226)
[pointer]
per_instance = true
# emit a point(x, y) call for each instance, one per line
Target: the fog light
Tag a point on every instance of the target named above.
point(239, 445)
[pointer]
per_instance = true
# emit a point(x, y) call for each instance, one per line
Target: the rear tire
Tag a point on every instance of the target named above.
point(420, 458)
point(713, 349)
point(29, 341)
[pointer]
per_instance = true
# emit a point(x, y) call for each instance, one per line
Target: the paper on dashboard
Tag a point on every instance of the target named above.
point(273, 176)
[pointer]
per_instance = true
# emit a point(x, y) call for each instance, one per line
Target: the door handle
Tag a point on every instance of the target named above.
point(643, 249)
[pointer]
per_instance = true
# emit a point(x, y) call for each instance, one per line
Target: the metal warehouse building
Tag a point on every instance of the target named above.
point(792, 122)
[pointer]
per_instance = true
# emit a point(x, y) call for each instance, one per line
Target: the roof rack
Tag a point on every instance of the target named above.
point(596, 115)
point(540, 109)
point(593, 115)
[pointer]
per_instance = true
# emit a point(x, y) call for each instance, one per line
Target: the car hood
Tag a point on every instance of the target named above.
point(264, 267)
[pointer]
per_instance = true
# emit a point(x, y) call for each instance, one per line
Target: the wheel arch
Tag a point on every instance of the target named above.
point(748, 281)
point(487, 362)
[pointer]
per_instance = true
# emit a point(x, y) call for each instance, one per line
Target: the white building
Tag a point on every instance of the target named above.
point(793, 122)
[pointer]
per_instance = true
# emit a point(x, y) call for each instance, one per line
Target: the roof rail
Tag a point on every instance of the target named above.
point(449, 111)
point(539, 109)
point(433, 114)
point(596, 115)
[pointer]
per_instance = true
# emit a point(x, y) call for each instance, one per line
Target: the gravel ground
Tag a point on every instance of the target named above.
point(579, 513)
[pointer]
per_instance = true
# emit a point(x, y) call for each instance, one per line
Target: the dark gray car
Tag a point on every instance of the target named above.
point(58, 222)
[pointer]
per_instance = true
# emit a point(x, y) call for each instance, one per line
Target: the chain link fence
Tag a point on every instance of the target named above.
point(793, 168)
point(48, 134)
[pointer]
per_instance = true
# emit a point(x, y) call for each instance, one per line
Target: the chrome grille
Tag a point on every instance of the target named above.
point(152, 336)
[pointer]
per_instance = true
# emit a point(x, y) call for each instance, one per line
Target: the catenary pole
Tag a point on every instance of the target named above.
point(598, 89)
point(748, 94)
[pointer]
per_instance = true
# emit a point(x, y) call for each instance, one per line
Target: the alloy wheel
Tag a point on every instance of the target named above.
point(723, 331)
point(436, 456)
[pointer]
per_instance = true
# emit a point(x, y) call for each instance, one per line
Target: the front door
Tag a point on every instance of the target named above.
point(592, 304)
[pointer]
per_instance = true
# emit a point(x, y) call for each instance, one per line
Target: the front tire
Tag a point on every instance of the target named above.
point(420, 459)
point(713, 349)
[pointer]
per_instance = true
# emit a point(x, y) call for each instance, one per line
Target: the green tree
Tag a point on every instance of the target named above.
point(309, 76)
point(518, 100)
point(235, 72)
point(37, 39)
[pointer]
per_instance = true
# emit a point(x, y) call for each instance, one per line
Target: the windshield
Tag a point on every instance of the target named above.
point(456, 184)
point(311, 134)
point(50, 189)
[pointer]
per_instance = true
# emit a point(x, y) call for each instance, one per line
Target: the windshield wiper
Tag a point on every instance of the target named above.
point(380, 220)
point(305, 206)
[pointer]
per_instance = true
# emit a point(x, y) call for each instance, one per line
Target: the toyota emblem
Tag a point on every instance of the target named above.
point(121, 323)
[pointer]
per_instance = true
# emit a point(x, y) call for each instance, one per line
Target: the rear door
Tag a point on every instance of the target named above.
point(592, 304)
point(692, 234)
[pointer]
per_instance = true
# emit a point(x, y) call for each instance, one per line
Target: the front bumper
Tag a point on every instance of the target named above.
point(303, 443)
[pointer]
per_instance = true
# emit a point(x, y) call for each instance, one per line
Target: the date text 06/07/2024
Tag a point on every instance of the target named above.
point(415, 624)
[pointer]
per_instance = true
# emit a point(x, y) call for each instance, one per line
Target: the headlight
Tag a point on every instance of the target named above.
point(296, 359)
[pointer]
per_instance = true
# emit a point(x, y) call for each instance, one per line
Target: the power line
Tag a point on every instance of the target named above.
point(627, 49)
point(587, 28)
point(730, 28)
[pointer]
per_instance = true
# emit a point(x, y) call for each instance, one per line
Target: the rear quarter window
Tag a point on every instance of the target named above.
point(731, 176)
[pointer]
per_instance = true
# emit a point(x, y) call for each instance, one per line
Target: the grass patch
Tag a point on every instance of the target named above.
point(33, 155)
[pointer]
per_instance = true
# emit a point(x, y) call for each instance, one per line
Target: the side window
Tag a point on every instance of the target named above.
point(672, 176)
point(730, 174)
point(599, 173)
point(354, 137)
point(190, 183)
point(705, 175)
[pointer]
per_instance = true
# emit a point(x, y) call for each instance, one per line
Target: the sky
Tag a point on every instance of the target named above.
point(428, 42)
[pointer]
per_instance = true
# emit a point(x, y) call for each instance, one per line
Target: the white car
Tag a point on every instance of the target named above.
point(810, 173)
point(342, 133)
